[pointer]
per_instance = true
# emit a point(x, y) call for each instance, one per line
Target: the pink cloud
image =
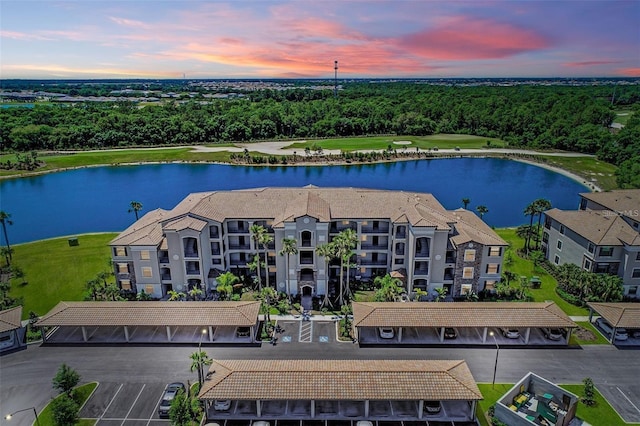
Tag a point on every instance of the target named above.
point(589, 63)
point(465, 38)
point(630, 72)
point(130, 23)
point(16, 35)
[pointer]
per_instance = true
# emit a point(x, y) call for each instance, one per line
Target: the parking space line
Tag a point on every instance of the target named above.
point(111, 402)
point(155, 409)
point(134, 403)
point(306, 331)
point(627, 398)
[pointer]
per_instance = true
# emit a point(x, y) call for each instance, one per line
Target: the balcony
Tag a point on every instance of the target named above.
point(214, 232)
point(375, 227)
point(191, 254)
point(165, 277)
point(401, 232)
point(380, 246)
point(337, 227)
point(238, 246)
point(163, 259)
point(193, 271)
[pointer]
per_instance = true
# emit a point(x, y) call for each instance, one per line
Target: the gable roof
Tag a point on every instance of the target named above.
point(151, 314)
point(10, 319)
point(462, 314)
point(146, 231)
point(601, 227)
point(625, 315)
point(471, 228)
point(355, 379)
point(621, 200)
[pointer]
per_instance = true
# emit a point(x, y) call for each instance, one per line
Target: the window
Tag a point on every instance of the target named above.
point(633, 290)
point(545, 237)
point(556, 260)
point(125, 285)
point(467, 273)
point(638, 256)
point(606, 251)
point(465, 289)
point(469, 255)
point(148, 289)
point(490, 285)
point(562, 229)
point(559, 245)
point(399, 262)
point(123, 268)
point(635, 273)
point(147, 272)
point(495, 251)
point(493, 268)
point(121, 251)
point(591, 248)
point(587, 265)
point(145, 255)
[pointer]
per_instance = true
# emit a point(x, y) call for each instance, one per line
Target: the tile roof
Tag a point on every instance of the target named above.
point(622, 200)
point(185, 222)
point(340, 379)
point(459, 314)
point(151, 314)
point(145, 232)
point(619, 314)
point(10, 319)
point(471, 228)
point(601, 227)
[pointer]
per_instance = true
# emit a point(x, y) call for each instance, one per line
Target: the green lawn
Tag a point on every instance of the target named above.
point(54, 271)
point(524, 267)
point(622, 116)
point(599, 338)
point(588, 168)
point(442, 141)
point(80, 394)
point(600, 414)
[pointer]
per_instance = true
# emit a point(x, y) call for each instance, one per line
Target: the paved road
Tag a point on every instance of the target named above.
point(25, 377)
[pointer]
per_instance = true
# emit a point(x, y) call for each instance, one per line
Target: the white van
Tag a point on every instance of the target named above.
point(621, 333)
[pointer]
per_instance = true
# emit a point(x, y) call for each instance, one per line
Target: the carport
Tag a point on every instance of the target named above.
point(340, 390)
point(619, 315)
point(205, 322)
point(425, 322)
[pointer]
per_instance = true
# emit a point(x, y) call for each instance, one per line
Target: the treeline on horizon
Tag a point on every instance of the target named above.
point(536, 116)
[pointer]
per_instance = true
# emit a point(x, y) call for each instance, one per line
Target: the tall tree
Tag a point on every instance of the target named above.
point(389, 288)
point(465, 202)
point(482, 210)
point(345, 242)
point(541, 205)
point(288, 248)
point(256, 233)
point(328, 252)
point(226, 282)
point(530, 211)
point(66, 379)
point(65, 411)
point(199, 360)
point(135, 207)
point(5, 219)
point(265, 240)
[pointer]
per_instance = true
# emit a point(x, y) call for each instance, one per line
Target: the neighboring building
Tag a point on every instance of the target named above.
point(340, 390)
point(536, 401)
point(602, 237)
point(209, 233)
point(12, 332)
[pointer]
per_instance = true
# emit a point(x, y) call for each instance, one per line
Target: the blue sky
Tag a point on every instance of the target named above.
point(302, 38)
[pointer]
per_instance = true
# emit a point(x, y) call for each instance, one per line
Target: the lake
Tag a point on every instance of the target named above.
point(97, 199)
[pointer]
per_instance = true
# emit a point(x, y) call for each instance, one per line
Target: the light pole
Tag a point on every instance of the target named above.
point(202, 333)
point(35, 413)
point(495, 367)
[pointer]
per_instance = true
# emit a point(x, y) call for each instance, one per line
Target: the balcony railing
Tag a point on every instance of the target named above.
point(369, 262)
point(190, 253)
point(165, 277)
point(238, 247)
point(164, 259)
point(421, 272)
point(382, 229)
point(193, 271)
point(375, 247)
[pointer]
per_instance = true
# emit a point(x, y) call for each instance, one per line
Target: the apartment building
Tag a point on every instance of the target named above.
point(603, 236)
point(208, 233)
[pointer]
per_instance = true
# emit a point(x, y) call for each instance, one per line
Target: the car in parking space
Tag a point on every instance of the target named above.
point(243, 331)
point(432, 407)
point(450, 333)
point(222, 404)
point(510, 333)
point(260, 423)
point(552, 333)
point(621, 333)
point(364, 423)
point(170, 392)
point(386, 332)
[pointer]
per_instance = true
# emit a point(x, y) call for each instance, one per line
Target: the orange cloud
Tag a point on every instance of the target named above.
point(628, 72)
point(464, 38)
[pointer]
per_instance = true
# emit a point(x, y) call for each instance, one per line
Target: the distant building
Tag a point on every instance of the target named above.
point(410, 234)
point(603, 236)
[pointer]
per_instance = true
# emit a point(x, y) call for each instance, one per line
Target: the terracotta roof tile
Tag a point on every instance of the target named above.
point(601, 227)
point(619, 314)
point(349, 379)
point(10, 319)
point(622, 200)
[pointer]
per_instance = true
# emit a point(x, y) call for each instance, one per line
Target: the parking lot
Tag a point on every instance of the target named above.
point(297, 331)
point(125, 404)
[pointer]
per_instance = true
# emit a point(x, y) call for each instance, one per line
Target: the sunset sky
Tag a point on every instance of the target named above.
point(302, 38)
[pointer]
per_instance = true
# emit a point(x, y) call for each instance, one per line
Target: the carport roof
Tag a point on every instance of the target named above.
point(340, 380)
point(151, 314)
point(619, 314)
point(10, 319)
point(462, 314)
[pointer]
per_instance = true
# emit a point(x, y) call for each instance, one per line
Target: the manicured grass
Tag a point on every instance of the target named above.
point(588, 168)
point(524, 267)
point(599, 338)
point(80, 394)
point(54, 271)
point(600, 414)
point(442, 141)
point(622, 116)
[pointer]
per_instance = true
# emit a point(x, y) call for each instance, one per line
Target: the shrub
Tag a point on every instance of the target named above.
point(589, 397)
point(65, 411)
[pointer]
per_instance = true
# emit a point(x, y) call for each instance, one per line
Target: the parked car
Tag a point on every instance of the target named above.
point(432, 407)
point(364, 423)
point(510, 333)
point(621, 333)
point(260, 423)
point(552, 333)
point(222, 404)
point(635, 333)
point(386, 332)
point(243, 332)
point(169, 393)
point(450, 333)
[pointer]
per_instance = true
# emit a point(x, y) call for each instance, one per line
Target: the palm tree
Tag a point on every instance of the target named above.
point(465, 202)
point(268, 295)
point(225, 284)
point(524, 231)
point(541, 205)
point(328, 251)
point(174, 295)
point(265, 240)
point(136, 206)
point(389, 288)
point(256, 233)
point(288, 248)
point(198, 360)
point(482, 210)
point(5, 219)
point(531, 211)
point(6, 253)
point(344, 242)
point(442, 294)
